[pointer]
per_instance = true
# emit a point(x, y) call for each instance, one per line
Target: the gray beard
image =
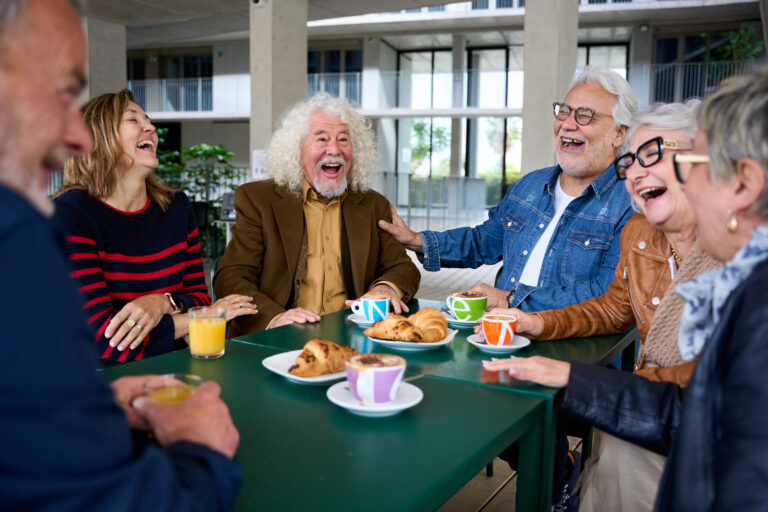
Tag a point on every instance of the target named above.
point(331, 192)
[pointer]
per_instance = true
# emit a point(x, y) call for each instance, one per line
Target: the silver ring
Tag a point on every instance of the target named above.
point(239, 304)
point(138, 326)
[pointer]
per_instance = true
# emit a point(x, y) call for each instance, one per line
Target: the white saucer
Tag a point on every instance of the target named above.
point(359, 320)
point(455, 322)
point(518, 342)
point(279, 364)
point(412, 346)
point(407, 396)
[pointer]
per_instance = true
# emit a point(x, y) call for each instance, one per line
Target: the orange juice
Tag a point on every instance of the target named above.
point(206, 337)
point(173, 395)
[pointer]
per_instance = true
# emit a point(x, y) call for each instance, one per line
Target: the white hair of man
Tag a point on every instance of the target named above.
point(734, 119)
point(667, 116)
point(283, 153)
point(614, 83)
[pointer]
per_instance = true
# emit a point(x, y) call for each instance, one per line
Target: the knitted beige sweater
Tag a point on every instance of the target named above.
point(660, 347)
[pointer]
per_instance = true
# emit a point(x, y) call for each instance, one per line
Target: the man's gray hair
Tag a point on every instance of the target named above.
point(734, 119)
point(614, 83)
point(284, 151)
point(667, 116)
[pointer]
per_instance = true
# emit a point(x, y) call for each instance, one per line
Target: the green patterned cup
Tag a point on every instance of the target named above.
point(467, 306)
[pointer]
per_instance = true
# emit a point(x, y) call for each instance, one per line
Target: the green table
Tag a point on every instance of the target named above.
point(301, 452)
point(460, 361)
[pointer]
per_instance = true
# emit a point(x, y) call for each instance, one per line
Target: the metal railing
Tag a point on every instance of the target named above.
point(173, 94)
point(678, 82)
point(341, 85)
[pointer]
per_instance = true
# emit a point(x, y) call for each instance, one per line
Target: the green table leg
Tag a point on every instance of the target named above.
point(531, 467)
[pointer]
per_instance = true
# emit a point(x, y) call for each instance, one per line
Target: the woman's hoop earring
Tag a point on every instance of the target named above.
point(733, 222)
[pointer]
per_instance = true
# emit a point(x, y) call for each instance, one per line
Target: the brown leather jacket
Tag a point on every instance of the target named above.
point(642, 276)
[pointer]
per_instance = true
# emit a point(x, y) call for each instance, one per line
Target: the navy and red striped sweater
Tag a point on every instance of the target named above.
point(118, 256)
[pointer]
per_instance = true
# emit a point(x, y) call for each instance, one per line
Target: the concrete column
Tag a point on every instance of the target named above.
point(459, 55)
point(550, 43)
point(278, 63)
point(640, 62)
point(107, 57)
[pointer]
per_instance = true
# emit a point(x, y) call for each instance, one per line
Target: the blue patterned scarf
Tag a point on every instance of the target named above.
point(705, 295)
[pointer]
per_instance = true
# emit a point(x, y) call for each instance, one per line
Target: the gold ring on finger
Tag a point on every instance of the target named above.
point(131, 322)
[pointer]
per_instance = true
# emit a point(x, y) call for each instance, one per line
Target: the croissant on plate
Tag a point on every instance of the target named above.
point(320, 357)
point(426, 326)
point(432, 323)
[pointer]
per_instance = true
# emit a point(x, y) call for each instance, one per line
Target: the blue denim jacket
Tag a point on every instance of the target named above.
point(582, 255)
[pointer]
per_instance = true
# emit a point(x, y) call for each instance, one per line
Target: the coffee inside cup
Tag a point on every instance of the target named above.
point(375, 297)
point(362, 361)
point(500, 318)
point(468, 295)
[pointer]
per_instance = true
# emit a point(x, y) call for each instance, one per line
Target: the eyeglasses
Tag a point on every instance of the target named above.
point(648, 154)
point(582, 115)
point(693, 159)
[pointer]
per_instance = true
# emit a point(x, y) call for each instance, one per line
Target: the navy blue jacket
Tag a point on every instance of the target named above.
point(715, 431)
point(64, 443)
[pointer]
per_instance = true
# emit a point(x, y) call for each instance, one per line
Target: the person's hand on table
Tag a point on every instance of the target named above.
point(398, 306)
point(130, 325)
point(401, 232)
point(528, 325)
point(496, 298)
point(125, 390)
point(202, 418)
point(538, 369)
point(295, 316)
point(237, 305)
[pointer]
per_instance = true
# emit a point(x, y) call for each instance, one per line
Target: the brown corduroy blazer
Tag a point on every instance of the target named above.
point(262, 259)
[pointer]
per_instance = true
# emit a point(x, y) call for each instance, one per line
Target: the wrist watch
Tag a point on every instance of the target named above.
point(175, 303)
point(510, 298)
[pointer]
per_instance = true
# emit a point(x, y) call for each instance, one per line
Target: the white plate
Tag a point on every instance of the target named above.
point(455, 322)
point(412, 346)
point(279, 364)
point(359, 320)
point(518, 342)
point(407, 396)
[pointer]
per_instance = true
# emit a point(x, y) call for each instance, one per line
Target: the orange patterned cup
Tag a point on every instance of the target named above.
point(499, 329)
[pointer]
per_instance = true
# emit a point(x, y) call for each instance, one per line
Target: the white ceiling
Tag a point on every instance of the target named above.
point(153, 23)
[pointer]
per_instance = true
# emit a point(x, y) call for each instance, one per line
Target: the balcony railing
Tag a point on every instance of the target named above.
point(173, 94)
point(678, 82)
point(341, 85)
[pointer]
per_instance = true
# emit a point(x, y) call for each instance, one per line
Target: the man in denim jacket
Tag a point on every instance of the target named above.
point(557, 229)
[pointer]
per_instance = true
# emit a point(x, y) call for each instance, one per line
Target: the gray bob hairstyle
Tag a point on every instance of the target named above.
point(734, 119)
point(284, 150)
point(667, 116)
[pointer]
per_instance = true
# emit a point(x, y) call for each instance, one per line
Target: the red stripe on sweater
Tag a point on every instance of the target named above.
point(198, 261)
point(83, 256)
point(143, 346)
point(144, 276)
point(193, 248)
point(103, 328)
point(110, 256)
point(135, 295)
point(84, 272)
point(97, 300)
point(192, 234)
point(192, 276)
point(80, 240)
point(92, 286)
point(96, 316)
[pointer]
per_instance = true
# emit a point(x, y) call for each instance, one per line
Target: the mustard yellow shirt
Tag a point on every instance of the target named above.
point(322, 287)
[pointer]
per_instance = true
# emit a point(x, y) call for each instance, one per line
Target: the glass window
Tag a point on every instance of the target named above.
point(482, 4)
point(313, 62)
point(515, 77)
point(581, 56)
point(425, 79)
point(206, 66)
point(487, 77)
point(437, 8)
point(500, 4)
point(610, 56)
point(353, 61)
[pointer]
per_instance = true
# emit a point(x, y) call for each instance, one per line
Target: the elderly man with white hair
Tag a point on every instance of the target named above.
point(306, 241)
point(557, 229)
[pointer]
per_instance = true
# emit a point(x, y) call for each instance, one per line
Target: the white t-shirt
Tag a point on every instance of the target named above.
point(532, 269)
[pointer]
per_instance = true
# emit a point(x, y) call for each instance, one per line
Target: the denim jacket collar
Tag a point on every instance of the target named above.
point(601, 185)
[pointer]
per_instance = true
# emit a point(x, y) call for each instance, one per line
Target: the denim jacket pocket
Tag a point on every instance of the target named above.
point(513, 225)
point(584, 254)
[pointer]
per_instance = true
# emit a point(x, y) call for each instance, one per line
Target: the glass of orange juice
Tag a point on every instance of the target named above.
point(172, 388)
point(207, 332)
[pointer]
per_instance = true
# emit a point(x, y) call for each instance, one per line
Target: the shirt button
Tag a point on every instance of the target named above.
point(655, 301)
point(525, 253)
point(641, 245)
point(329, 267)
point(512, 280)
point(541, 226)
point(586, 243)
point(509, 224)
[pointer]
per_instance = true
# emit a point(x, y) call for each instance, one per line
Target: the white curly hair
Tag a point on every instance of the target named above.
point(284, 150)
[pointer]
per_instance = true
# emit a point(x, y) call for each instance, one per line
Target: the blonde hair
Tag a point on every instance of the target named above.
point(97, 172)
point(284, 150)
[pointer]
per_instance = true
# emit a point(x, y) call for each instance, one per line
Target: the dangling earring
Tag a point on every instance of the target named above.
point(733, 222)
